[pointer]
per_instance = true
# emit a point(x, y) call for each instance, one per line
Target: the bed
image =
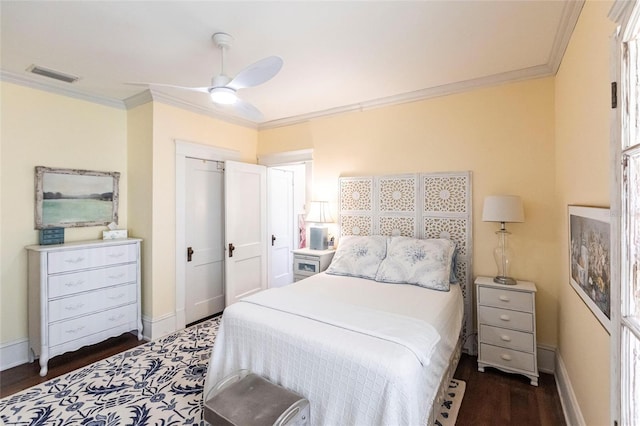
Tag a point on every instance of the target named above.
point(373, 340)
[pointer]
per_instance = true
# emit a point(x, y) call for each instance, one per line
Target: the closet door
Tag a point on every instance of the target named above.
point(245, 187)
point(204, 292)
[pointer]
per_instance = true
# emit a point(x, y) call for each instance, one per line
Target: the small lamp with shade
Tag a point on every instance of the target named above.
point(503, 209)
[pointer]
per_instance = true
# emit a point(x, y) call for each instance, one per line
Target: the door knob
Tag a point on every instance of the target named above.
point(189, 253)
point(273, 240)
point(231, 249)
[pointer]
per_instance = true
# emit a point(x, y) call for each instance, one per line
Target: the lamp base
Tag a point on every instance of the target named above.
point(504, 280)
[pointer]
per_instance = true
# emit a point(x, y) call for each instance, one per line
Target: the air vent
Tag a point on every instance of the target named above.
point(56, 75)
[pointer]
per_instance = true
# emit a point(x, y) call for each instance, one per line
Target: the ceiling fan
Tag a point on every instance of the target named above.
point(223, 89)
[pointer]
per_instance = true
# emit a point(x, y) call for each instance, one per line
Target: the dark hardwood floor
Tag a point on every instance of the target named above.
point(496, 398)
point(491, 398)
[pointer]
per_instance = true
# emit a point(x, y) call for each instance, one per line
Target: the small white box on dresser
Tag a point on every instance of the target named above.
point(507, 327)
point(82, 293)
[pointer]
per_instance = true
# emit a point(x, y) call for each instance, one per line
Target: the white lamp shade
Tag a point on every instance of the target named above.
point(319, 212)
point(503, 208)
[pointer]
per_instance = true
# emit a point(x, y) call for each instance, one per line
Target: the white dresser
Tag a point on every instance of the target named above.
point(507, 327)
point(82, 293)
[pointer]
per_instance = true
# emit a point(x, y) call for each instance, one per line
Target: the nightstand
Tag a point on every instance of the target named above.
point(307, 262)
point(507, 327)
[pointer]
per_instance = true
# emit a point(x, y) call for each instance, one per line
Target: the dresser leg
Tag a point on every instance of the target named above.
point(43, 365)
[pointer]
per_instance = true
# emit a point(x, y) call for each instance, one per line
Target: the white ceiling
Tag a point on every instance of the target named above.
point(338, 55)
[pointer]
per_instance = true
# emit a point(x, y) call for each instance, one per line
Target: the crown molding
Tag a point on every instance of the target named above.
point(71, 92)
point(159, 96)
point(568, 20)
point(418, 95)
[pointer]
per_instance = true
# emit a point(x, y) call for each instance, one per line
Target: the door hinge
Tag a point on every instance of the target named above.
point(614, 95)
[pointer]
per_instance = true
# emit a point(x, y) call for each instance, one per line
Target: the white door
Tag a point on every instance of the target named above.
point(245, 188)
point(204, 292)
point(280, 196)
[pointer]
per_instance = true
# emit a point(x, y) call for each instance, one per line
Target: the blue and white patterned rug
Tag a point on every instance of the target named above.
point(158, 383)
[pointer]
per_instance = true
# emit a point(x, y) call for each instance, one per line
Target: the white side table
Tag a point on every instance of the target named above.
point(307, 262)
point(507, 327)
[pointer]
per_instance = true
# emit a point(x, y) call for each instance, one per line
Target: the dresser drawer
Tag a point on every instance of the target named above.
point(76, 282)
point(508, 299)
point(506, 338)
point(506, 357)
point(73, 260)
point(66, 331)
point(505, 318)
point(86, 303)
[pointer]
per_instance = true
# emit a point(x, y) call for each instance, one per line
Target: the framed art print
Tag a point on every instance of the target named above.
point(590, 259)
point(72, 198)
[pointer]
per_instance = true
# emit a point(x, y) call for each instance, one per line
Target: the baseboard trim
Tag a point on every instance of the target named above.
point(570, 406)
point(546, 359)
point(158, 327)
point(14, 353)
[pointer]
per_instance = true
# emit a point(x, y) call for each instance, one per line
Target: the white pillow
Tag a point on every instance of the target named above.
point(426, 263)
point(358, 256)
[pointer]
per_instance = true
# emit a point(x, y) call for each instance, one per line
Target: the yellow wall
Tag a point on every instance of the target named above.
point(140, 169)
point(44, 129)
point(582, 173)
point(504, 135)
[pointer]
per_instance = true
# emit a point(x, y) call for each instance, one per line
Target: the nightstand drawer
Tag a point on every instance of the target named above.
point(507, 357)
point(506, 338)
point(505, 318)
point(508, 299)
point(302, 266)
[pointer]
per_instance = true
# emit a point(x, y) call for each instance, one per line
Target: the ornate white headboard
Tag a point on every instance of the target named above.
point(419, 205)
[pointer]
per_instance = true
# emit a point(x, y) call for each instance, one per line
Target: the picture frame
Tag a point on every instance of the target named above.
point(75, 198)
point(590, 259)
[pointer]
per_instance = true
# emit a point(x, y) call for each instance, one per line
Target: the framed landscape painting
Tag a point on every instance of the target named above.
point(70, 198)
point(590, 259)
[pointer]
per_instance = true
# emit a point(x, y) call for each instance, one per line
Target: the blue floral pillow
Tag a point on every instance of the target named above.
point(426, 263)
point(358, 256)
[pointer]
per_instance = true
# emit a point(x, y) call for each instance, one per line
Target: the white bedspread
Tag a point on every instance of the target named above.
point(354, 369)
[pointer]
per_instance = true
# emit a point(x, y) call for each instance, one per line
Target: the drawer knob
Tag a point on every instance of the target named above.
point(75, 330)
point(505, 338)
point(116, 255)
point(505, 317)
point(504, 298)
point(506, 357)
point(74, 283)
point(120, 296)
point(76, 260)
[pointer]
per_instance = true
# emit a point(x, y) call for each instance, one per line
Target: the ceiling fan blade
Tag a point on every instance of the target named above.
point(192, 89)
point(257, 73)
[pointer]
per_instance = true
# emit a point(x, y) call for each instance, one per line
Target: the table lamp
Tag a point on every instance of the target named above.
point(503, 209)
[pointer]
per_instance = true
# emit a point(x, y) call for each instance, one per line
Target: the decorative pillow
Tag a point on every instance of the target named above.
point(358, 256)
point(426, 263)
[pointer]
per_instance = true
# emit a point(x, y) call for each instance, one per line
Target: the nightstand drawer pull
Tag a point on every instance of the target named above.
point(505, 317)
point(505, 338)
point(506, 357)
point(504, 298)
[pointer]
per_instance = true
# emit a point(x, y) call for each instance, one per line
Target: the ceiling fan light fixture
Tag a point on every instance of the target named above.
point(223, 95)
